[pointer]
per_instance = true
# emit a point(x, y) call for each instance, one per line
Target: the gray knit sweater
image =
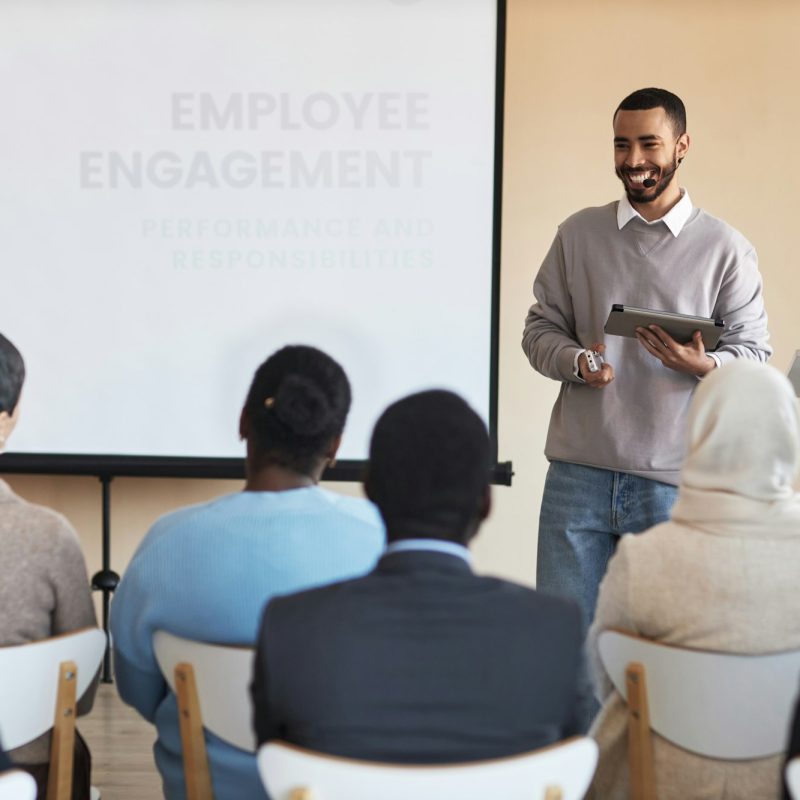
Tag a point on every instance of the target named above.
point(44, 589)
point(636, 423)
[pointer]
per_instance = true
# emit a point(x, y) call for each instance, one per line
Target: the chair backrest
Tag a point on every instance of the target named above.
point(30, 679)
point(718, 705)
point(793, 778)
point(222, 674)
point(562, 771)
point(17, 785)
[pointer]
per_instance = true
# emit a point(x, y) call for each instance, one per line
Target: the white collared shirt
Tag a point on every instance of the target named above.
point(674, 219)
point(431, 545)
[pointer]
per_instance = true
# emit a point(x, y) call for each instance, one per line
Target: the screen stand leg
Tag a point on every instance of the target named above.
point(106, 580)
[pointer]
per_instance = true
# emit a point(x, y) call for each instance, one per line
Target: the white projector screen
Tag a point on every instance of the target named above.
point(188, 186)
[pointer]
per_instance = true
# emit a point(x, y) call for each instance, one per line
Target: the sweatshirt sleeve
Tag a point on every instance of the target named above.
point(73, 608)
point(549, 336)
point(139, 680)
point(741, 304)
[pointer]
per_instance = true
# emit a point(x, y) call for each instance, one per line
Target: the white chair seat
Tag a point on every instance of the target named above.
point(212, 685)
point(285, 769)
point(718, 705)
point(30, 681)
point(17, 785)
point(222, 674)
point(793, 778)
point(42, 682)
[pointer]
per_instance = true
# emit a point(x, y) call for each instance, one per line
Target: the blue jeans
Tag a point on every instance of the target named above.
point(585, 510)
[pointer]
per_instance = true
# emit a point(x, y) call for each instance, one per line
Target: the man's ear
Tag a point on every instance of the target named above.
point(7, 422)
point(333, 448)
point(368, 485)
point(485, 507)
point(682, 146)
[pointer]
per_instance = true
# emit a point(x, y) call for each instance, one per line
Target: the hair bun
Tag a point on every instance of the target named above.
point(301, 406)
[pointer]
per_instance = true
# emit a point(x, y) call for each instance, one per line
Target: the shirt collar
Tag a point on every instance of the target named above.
point(431, 545)
point(674, 219)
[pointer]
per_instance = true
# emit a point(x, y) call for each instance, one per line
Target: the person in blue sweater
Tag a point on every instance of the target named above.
point(205, 572)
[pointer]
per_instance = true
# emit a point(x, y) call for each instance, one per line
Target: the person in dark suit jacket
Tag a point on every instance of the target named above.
point(421, 661)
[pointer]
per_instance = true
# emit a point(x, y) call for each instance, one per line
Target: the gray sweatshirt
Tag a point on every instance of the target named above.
point(636, 423)
point(44, 589)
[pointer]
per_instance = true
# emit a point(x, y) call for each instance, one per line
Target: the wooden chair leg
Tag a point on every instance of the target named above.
point(640, 740)
point(553, 793)
point(62, 745)
point(193, 743)
point(301, 794)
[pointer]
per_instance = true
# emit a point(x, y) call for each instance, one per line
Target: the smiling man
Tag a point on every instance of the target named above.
point(616, 437)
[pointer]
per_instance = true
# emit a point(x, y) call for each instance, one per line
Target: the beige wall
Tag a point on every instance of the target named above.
point(734, 63)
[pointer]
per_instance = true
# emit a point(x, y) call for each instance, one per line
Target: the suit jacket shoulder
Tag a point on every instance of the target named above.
point(419, 661)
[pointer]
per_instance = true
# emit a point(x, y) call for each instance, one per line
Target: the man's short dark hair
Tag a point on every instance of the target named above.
point(12, 375)
point(645, 99)
point(429, 467)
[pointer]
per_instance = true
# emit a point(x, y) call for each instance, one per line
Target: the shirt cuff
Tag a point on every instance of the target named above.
point(716, 359)
point(576, 370)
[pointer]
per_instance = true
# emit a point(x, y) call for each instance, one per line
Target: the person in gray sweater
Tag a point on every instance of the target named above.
point(616, 436)
point(44, 588)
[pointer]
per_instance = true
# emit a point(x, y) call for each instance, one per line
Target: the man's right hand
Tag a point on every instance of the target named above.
point(603, 376)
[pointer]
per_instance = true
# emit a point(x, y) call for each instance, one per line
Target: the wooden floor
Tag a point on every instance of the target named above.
point(122, 749)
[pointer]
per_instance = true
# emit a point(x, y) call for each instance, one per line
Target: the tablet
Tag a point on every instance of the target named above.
point(794, 373)
point(624, 320)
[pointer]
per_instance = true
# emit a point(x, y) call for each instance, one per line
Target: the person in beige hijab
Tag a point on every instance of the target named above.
point(722, 574)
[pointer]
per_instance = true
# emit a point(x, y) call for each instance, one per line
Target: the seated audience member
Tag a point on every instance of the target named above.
point(205, 572)
point(44, 588)
point(421, 661)
point(722, 574)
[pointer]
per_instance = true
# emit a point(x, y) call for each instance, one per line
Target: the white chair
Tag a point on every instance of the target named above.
point(17, 785)
point(212, 686)
point(718, 705)
point(41, 684)
point(559, 772)
point(793, 778)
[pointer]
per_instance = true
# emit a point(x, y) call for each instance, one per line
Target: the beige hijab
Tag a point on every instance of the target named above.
point(744, 454)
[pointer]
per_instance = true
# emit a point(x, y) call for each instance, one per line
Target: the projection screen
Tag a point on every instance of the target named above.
point(187, 186)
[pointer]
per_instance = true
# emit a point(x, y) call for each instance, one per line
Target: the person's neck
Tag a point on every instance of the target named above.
point(666, 201)
point(276, 478)
point(419, 530)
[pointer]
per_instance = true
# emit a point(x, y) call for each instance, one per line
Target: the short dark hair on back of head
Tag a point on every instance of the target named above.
point(645, 99)
point(296, 406)
point(12, 375)
point(429, 467)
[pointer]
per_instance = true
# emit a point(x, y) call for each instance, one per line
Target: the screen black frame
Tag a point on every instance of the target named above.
point(106, 466)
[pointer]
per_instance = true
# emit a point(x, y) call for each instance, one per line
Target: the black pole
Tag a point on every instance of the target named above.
point(106, 580)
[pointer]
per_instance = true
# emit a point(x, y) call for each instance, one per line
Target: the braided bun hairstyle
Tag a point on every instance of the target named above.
point(297, 404)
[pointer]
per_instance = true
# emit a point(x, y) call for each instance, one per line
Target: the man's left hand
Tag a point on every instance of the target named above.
point(689, 358)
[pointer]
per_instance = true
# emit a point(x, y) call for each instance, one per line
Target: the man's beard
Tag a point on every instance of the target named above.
point(637, 195)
